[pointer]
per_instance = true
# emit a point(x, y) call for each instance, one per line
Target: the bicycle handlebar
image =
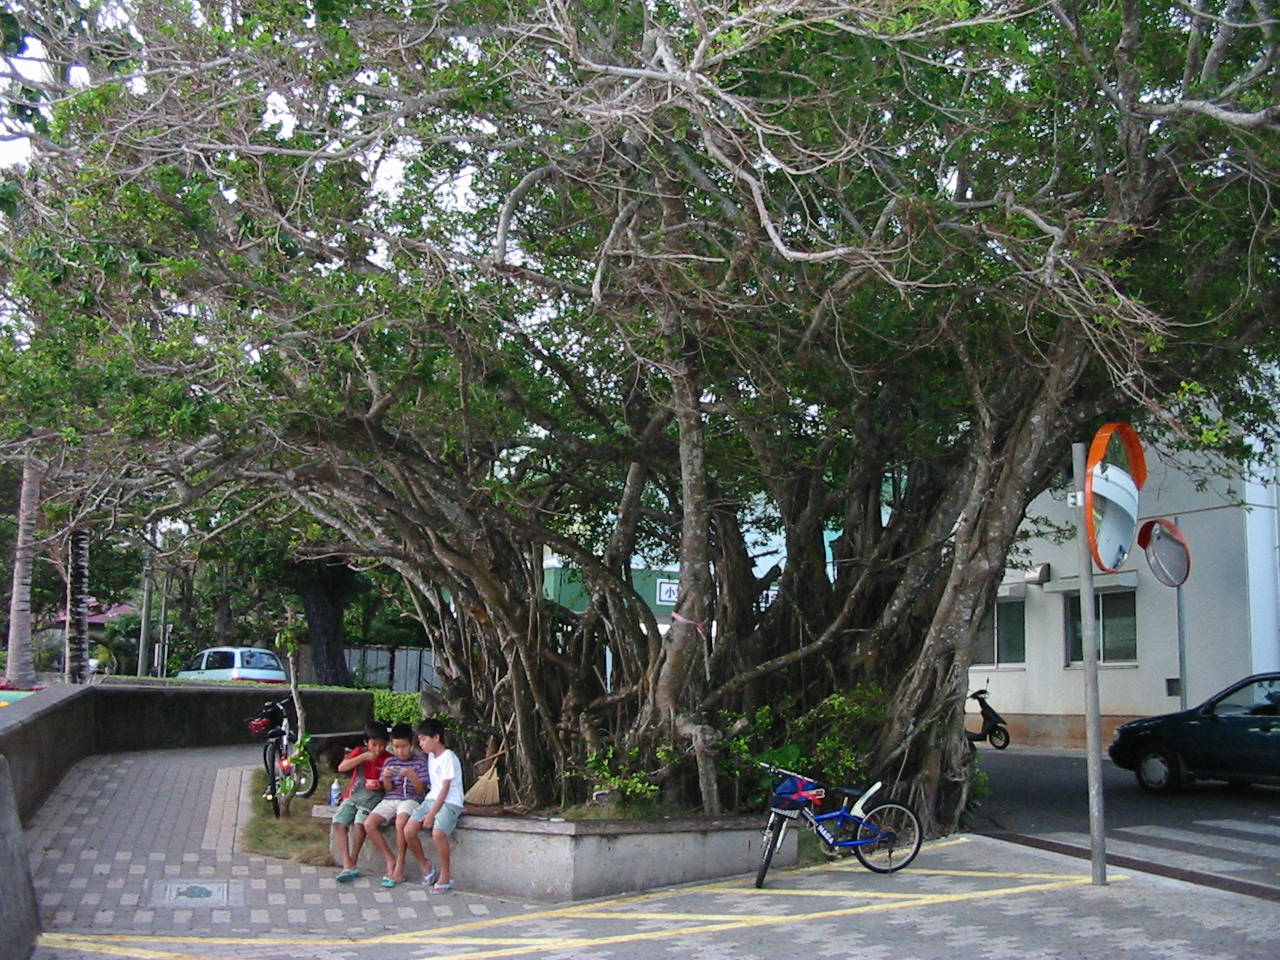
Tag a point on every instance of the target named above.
point(847, 791)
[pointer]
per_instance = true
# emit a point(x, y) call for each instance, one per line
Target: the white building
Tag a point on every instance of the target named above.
point(1160, 648)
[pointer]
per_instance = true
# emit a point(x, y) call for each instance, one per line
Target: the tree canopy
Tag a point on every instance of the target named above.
point(466, 282)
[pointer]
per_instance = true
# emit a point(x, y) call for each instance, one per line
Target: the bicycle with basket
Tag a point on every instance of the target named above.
point(885, 837)
point(291, 770)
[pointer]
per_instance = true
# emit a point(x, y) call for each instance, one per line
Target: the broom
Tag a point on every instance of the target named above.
point(484, 792)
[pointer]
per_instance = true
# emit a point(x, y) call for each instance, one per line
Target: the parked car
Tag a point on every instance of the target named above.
point(1232, 736)
point(234, 663)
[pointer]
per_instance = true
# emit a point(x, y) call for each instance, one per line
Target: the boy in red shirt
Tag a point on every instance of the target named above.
point(363, 793)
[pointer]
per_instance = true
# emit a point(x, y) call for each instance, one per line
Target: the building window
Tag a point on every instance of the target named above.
point(1002, 636)
point(1117, 627)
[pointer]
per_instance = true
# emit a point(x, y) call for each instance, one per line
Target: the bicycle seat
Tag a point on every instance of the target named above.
point(851, 792)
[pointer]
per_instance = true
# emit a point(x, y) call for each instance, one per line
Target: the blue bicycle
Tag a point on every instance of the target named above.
point(885, 838)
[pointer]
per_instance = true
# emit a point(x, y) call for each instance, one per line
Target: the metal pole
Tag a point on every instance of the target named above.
point(1092, 712)
point(1182, 644)
point(162, 644)
point(144, 629)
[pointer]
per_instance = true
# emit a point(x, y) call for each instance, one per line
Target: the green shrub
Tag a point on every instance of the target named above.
point(836, 733)
point(392, 708)
point(829, 742)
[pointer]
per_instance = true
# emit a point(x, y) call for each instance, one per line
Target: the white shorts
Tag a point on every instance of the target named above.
point(390, 809)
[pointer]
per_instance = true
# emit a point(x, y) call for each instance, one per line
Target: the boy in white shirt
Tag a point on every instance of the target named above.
point(440, 810)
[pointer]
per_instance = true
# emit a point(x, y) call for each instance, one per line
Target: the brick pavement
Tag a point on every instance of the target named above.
point(125, 835)
point(125, 838)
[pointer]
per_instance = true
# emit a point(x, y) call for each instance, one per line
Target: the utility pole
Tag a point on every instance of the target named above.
point(1092, 709)
point(144, 630)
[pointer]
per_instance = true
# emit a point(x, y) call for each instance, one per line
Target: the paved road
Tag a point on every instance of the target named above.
point(121, 848)
point(1209, 828)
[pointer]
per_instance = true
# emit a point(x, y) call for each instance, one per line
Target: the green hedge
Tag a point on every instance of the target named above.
point(392, 708)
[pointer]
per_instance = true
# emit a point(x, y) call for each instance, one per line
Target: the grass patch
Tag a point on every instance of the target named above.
point(301, 838)
point(809, 849)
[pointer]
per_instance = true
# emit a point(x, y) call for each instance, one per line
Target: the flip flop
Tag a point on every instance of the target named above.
point(388, 882)
point(346, 876)
point(430, 878)
point(442, 887)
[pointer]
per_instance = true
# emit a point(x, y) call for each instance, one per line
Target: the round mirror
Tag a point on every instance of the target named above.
point(1117, 469)
point(1168, 553)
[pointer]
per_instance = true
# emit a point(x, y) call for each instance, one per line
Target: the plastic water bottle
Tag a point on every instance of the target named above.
point(335, 793)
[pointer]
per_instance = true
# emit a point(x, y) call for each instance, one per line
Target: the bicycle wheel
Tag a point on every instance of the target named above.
point(890, 836)
point(768, 845)
point(305, 775)
point(272, 757)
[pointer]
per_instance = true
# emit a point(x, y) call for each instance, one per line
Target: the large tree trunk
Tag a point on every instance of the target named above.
point(76, 657)
point(19, 669)
point(923, 739)
point(686, 650)
point(325, 587)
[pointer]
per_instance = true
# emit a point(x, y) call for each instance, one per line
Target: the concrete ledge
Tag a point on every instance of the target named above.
point(45, 734)
point(560, 861)
point(19, 912)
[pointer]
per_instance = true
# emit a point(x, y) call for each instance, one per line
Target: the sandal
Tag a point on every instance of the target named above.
point(388, 882)
point(442, 887)
point(430, 878)
point(346, 876)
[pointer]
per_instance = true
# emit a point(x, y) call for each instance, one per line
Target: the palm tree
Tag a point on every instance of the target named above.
point(19, 668)
point(76, 659)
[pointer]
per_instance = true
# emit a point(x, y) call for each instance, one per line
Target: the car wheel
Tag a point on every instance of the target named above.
point(1157, 770)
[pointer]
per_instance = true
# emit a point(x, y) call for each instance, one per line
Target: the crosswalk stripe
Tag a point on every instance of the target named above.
point(1141, 851)
point(1250, 847)
point(1243, 826)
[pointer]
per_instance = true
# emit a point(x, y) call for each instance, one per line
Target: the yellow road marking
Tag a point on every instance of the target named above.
point(520, 946)
point(760, 921)
point(112, 950)
point(846, 894)
point(996, 875)
point(639, 915)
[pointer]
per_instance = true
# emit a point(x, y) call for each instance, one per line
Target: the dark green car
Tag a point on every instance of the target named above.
point(1232, 736)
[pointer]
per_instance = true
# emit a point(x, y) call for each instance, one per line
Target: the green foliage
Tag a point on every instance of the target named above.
point(632, 786)
point(392, 708)
point(836, 734)
point(829, 742)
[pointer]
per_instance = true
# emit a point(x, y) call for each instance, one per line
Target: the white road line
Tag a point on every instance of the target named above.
point(1248, 847)
point(1243, 826)
point(1162, 855)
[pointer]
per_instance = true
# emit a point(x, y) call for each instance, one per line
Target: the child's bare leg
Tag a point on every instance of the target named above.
point(373, 829)
point(414, 844)
point(442, 855)
point(398, 874)
point(342, 835)
point(357, 842)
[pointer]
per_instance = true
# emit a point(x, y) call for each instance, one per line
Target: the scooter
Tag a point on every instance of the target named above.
point(993, 730)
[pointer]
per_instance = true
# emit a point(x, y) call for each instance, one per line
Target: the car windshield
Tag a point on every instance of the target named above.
point(259, 660)
point(1260, 698)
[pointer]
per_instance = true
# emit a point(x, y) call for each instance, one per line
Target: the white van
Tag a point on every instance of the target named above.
point(234, 663)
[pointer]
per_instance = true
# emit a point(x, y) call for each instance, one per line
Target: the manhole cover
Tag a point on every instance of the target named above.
point(197, 893)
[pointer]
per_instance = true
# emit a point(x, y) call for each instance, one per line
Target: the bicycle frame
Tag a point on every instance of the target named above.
point(818, 822)
point(885, 838)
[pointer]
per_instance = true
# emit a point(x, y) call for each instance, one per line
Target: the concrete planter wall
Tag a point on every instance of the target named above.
point(579, 860)
point(561, 861)
point(19, 915)
point(43, 735)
